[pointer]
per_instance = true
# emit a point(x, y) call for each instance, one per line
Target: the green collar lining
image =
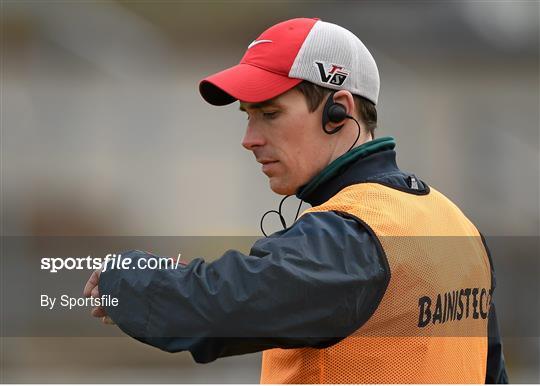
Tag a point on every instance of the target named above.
point(336, 166)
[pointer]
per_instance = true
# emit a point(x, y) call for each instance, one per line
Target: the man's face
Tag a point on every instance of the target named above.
point(287, 139)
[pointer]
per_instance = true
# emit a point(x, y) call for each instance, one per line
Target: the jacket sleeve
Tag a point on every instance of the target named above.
point(496, 367)
point(310, 285)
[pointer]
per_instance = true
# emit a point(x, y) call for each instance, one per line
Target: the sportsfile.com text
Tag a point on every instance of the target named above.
point(111, 261)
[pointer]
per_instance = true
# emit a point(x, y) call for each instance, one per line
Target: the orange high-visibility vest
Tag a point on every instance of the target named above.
point(431, 323)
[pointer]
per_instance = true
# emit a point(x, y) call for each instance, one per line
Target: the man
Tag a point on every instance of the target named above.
point(383, 280)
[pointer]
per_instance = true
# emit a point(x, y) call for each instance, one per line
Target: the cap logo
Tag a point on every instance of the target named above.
point(336, 75)
point(255, 42)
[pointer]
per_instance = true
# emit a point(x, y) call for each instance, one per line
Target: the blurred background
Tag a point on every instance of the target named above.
point(104, 133)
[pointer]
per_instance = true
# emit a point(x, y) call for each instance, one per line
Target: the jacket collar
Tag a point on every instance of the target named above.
point(363, 163)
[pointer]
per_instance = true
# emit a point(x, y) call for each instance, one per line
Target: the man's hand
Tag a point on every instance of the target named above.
point(91, 289)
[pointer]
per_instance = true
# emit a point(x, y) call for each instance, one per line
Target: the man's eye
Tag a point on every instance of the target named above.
point(270, 114)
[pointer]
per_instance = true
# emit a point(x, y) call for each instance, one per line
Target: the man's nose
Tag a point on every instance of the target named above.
point(252, 138)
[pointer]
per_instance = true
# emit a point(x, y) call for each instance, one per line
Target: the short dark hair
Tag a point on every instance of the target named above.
point(315, 95)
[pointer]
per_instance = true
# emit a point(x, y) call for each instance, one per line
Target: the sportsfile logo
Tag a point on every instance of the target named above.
point(336, 75)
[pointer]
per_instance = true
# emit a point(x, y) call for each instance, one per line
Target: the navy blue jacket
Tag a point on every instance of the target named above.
point(300, 287)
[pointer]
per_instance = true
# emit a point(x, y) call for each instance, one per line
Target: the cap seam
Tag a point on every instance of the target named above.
point(302, 48)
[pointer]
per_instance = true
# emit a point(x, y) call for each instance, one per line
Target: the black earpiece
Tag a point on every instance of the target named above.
point(333, 112)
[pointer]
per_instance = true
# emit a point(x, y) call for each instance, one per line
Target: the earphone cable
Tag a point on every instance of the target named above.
point(357, 136)
point(298, 210)
point(278, 212)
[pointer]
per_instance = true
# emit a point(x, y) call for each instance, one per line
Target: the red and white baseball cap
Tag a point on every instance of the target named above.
point(289, 52)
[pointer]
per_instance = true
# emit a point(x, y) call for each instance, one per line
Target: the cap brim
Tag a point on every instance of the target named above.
point(245, 83)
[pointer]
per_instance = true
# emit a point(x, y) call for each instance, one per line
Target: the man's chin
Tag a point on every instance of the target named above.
point(281, 188)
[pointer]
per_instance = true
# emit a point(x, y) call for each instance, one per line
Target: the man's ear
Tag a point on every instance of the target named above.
point(344, 98)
